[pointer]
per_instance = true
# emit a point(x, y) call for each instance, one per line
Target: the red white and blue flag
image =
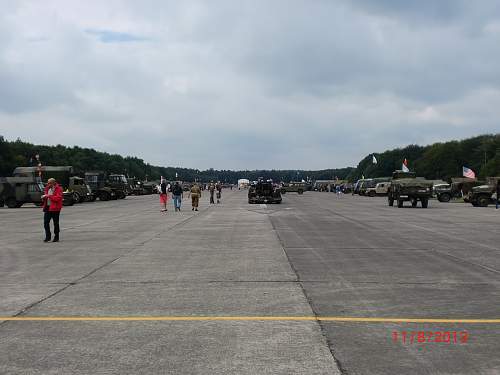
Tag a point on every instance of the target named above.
point(469, 173)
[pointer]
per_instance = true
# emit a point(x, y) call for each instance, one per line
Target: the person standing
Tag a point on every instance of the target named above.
point(52, 202)
point(218, 187)
point(498, 193)
point(177, 194)
point(211, 189)
point(164, 187)
point(338, 190)
point(195, 193)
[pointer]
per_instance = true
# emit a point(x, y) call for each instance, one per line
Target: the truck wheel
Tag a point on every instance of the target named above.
point(400, 203)
point(76, 197)
point(425, 202)
point(11, 202)
point(300, 192)
point(391, 201)
point(104, 196)
point(483, 201)
point(19, 204)
point(2, 203)
point(372, 193)
point(445, 197)
point(414, 202)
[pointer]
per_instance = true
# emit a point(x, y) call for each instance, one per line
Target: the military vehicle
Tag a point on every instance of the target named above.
point(135, 187)
point(358, 185)
point(74, 191)
point(16, 191)
point(119, 183)
point(368, 187)
point(294, 187)
point(102, 188)
point(483, 195)
point(380, 189)
point(264, 192)
point(405, 186)
point(459, 188)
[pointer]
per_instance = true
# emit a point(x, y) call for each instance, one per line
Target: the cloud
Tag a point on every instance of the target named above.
point(108, 36)
point(249, 85)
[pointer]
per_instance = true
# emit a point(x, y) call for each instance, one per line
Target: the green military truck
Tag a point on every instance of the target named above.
point(106, 189)
point(460, 187)
point(16, 191)
point(483, 195)
point(294, 187)
point(72, 186)
point(405, 186)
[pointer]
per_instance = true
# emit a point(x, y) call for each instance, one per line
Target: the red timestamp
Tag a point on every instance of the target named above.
point(422, 337)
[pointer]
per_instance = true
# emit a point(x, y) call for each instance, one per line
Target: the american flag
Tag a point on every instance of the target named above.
point(468, 172)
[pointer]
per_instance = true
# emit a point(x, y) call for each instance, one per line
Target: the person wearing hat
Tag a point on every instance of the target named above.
point(52, 202)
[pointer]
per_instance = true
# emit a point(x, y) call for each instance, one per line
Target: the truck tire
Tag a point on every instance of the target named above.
point(300, 191)
point(390, 200)
point(104, 196)
point(445, 197)
point(400, 203)
point(2, 203)
point(372, 193)
point(77, 198)
point(414, 202)
point(483, 201)
point(425, 202)
point(11, 202)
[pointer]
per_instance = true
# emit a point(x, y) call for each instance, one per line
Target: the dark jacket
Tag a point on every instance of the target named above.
point(177, 189)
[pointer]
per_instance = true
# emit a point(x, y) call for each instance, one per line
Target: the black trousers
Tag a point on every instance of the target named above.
point(54, 216)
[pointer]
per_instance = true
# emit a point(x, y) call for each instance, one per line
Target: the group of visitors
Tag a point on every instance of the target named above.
point(177, 190)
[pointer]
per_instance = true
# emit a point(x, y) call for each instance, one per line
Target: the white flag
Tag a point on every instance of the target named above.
point(374, 160)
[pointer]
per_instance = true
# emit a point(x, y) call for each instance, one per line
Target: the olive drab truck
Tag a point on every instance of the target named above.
point(483, 195)
point(104, 188)
point(72, 185)
point(16, 191)
point(405, 186)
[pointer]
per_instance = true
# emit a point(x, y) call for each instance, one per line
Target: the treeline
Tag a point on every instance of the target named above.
point(19, 153)
point(437, 161)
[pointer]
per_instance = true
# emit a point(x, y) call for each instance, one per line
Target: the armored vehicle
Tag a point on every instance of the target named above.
point(71, 193)
point(264, 192)
point(100, 186)
point(295, 187)
point(405, 186)
point(483, 195)
point(459, 187)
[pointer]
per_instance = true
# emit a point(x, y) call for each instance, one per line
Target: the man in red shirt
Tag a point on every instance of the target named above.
point(52, 202)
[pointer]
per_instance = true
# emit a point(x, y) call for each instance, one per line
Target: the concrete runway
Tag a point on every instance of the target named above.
point(314, 256)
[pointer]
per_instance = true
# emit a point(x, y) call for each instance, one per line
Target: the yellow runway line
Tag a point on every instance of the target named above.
point(241, 319)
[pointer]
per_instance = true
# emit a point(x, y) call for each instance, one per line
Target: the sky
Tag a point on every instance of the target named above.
point(255, 84)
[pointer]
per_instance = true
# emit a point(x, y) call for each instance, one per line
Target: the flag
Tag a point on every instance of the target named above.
point(405, 166)
point(469, 173)
point(374, 160)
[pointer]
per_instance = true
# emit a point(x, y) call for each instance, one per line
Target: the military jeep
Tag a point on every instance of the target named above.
point(405, 186)
point(264, 192)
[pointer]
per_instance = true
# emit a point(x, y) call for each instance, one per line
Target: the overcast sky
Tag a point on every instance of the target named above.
point(249, 84)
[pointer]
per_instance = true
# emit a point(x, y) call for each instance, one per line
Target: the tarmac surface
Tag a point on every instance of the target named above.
point(249, 289)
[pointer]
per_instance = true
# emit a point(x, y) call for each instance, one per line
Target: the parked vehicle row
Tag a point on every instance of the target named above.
point(27, 186)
